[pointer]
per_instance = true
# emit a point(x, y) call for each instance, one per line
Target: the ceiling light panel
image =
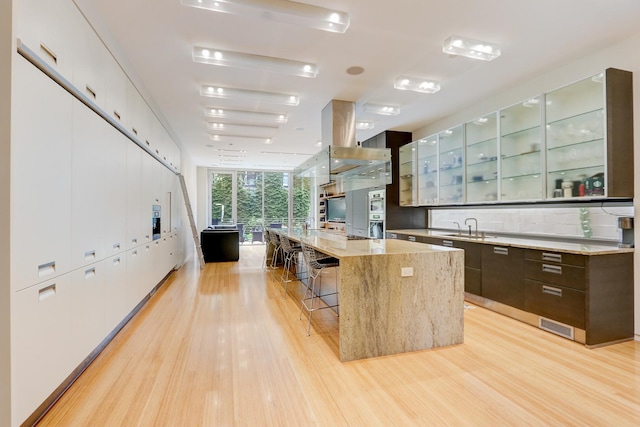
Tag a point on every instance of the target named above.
point(241, 129)
point(242, 116)
point(416, 84)
point(289, 12)
point(364, 125)
point(234, 139)
point(249, 95)
point(471, 48)
point(227, 58)
point(384, 110)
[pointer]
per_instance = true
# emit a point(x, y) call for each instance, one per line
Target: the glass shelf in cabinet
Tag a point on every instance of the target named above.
point(451, 185)
point(576, 116)
point(599, 168)
point(521, 177)
point(557, 147)
point(407, 176)
point(431, 172)
point(428, 157)
point(450, 168)
point(482, 181)
point(484, 162)
point(513, 156)
point(520, 132)
point(486, 142)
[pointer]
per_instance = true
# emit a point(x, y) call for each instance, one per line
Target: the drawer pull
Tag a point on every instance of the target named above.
point(116, 115)
point(116, 261)
point(148, 143)
point(134, 240)
point(393, 236)
point(412, 238)
point(146, 237)
point(91, 92)
point(546, 256)
point(555, 269)
point(88, 274)
point(448, 243)
point(501, 251)
point(134, 253)
point(46, 269)
point(557, 292)
point(116, 246)
point(89, 255)
point(49, 53)
point(46, 293)
point(135, 131)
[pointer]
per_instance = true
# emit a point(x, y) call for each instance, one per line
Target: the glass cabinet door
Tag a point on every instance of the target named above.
point(575, 140)
point(451, 162)
point(407, 172)
point(427, 166)
point(520, 142)
point(482, 159)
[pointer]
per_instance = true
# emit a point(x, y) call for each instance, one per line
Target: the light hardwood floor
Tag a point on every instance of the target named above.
point(222, 348)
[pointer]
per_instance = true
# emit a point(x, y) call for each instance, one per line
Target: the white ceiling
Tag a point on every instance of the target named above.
point(153, 39)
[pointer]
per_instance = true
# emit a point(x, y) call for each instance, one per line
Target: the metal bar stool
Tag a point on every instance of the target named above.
point(274, 238)
point(316, 262)
point(290, 252)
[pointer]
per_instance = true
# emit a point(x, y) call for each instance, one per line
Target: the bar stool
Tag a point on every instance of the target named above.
point(290, 252)
point(316, 262)
point(274, 238)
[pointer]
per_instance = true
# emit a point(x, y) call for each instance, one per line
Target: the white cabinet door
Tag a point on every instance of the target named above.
point(40, 343)
point(88, 316)
point(147, 199)
point(87, 196)
point(40, 178)
point(91, 59)
point(135, 261)
point(115, 300)
point(114, 186)
point(116, 84)
point(135, 233)
point(48, 29)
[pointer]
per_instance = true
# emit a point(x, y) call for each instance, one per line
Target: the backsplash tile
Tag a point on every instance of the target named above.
point(574, 222)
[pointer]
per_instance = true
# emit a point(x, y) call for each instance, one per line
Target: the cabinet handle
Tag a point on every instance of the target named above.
point(393, 236)
point(89, 255)
point(546, 256)
point(556, 292)
point(49, 52)
point(116, 246)
point(134, 253)
point(116, 261)
point(501, 251)
point(135, 132)
point(134, 241)
point(555, 269)
point(116, 114)
point(91, 92)
point(412, 238)
point(46, 269)
point(46, 293)
point(88, 274)
point(448, 243)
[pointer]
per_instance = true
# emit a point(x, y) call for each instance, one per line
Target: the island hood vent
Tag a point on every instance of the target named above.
point(342, 161)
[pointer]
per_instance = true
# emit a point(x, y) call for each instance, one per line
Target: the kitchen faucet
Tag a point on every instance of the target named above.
point(476, 221)
point(459, 231)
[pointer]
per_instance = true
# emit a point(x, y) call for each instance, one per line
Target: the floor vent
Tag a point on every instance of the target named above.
point(556, 328)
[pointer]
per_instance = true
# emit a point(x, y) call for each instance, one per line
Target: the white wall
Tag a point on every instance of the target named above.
point(623, 55)
point(189, 171)
point(6, 47)
point(203, 197)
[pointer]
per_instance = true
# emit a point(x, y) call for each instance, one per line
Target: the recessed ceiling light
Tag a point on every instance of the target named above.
point(241, 129)
point(244, 116)
point(385, 110)
point(289, 12)
point(245, 94)
point(227, 58)
point(364, 125)
point(416, 84)
point(471, 48)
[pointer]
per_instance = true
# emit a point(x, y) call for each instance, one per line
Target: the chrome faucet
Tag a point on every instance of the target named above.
point(459, 230)
point(476, 221)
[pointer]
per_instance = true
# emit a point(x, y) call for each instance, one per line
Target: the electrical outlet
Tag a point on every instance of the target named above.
point(406, 271)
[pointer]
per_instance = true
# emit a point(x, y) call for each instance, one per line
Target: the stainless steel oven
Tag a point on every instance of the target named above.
point(376, 214)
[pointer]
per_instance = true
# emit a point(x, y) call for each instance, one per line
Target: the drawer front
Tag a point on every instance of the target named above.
point(555, 274)
point(555, 257)
point(557, 303)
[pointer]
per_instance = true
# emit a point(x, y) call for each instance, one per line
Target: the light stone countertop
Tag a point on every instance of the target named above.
point(337, 245)
point(580, 248)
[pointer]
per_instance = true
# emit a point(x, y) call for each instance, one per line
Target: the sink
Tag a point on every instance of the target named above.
point(472, 237)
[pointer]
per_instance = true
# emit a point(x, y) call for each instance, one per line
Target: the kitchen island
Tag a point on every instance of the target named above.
point(395, 296)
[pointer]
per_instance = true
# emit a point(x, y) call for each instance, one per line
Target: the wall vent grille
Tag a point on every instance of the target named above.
point(557, 328)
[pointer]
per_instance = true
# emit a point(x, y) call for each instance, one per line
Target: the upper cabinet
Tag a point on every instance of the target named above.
point(572, 143)
point(520, 145)
point(408, 195)
point(482, 159)
point(451, 151)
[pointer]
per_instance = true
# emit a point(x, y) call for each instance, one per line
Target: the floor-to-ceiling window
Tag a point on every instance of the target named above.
point(257, 199)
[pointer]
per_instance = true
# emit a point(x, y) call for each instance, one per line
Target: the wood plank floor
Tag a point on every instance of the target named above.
point(222, 348)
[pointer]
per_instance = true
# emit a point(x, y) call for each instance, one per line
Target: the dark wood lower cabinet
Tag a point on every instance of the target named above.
point(553, 302)
point(502, 278)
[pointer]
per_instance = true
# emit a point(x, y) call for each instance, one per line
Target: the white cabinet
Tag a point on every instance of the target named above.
point(115, 291)
point(114, 185)
point(134, 192)
point(481, 153)
point(427, 170)
point(49, 28)
point(451, 159)
point(408, 189)
point(40, 178)
point(40, 343)
point(91, 59)
point(116, 85)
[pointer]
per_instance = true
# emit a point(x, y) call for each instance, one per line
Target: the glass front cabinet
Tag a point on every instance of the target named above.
point(574, 142)
point(407, 175)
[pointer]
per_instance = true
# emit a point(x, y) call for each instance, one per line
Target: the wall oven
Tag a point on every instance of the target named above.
point(376, 213)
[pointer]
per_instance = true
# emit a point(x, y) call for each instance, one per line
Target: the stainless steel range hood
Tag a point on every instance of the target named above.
point(341, 161)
